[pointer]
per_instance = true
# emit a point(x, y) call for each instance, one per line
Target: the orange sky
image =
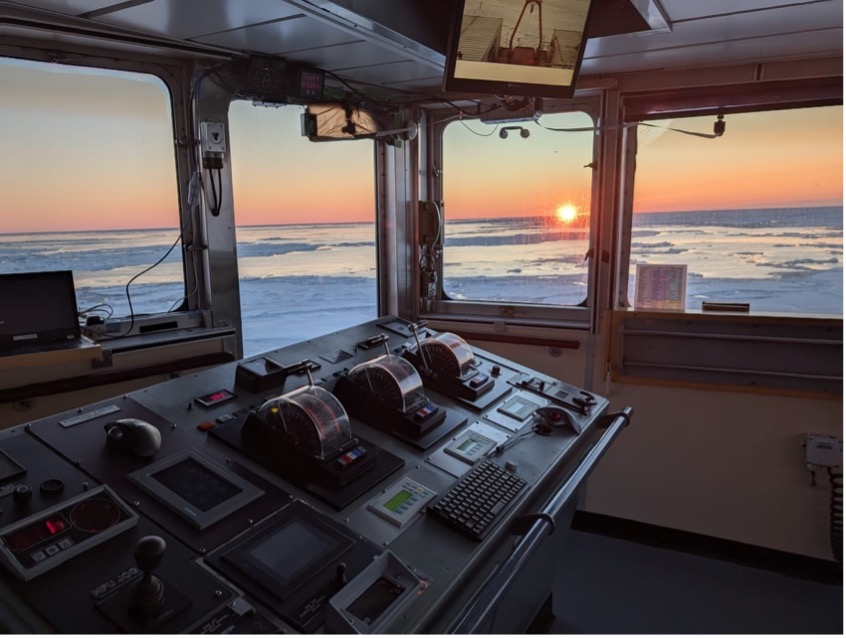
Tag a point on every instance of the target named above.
point(66, 162)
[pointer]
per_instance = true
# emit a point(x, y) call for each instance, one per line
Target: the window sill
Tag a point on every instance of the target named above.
point(736, 351)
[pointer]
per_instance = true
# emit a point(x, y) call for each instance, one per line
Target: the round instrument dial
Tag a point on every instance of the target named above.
point(312, 419)
point(393, 379)
point(448, 355)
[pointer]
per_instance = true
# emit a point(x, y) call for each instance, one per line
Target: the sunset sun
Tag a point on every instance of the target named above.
point(566, 213)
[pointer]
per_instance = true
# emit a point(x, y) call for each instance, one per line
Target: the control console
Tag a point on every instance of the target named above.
point(351, 484)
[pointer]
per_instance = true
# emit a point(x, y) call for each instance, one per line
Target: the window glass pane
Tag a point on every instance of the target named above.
point(756, 215)
point(306, 228)
point(517, 210)
point(88, 177)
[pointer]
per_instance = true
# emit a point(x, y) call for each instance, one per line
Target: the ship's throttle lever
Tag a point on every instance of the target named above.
point(148, 594)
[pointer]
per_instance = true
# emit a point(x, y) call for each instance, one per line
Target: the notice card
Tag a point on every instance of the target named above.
point(661, 287)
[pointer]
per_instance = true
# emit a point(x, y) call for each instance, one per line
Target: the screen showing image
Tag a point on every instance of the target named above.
point(532, 46)
point(196, 484)
point(290, 550)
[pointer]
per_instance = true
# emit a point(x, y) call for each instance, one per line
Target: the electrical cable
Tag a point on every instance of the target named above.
point(719, 129)
point(836, 514)
point(493, 130)
point(502, 447)
point(109, 311)
point(217, 192)
point(129, 283)
point(190, 201)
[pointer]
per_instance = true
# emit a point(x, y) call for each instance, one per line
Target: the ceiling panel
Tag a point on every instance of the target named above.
point(736, 52)
point(346, 56)
point(691, 9)
point(189, 18)
point(280, 38)
point(70, 7)
point(720, 31)
point(408, 73)
point(701, 32)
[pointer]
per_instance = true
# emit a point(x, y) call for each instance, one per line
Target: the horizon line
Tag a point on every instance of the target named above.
point(348, 222)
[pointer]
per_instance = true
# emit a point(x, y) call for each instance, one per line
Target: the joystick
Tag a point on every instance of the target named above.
point(148, 594)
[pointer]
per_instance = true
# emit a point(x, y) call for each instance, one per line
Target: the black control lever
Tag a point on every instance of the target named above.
point(148, 594)
point(373, 341)
point(303, 367)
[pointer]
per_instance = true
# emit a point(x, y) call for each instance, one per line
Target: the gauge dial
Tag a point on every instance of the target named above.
point(393, 379)
point(312, 419)
point(448, 355)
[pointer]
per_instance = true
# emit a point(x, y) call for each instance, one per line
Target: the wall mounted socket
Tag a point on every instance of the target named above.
point(212, 137)
point(823, 450)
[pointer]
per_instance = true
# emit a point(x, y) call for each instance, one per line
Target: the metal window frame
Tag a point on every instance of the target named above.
point(512, 316)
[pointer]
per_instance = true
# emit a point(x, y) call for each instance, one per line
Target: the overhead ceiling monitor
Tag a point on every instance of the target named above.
point(517, 47)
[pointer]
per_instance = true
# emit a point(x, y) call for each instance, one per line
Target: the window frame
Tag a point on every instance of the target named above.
point(795, 354)
point(175, 76)
point(514, 314)
point(238, 225)
point(700, 102)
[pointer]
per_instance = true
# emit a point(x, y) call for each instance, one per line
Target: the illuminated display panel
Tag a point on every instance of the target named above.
point(33, 534)
point(531, 48)
point(397, 500)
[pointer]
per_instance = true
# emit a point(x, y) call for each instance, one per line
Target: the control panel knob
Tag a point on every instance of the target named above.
point(511, 466)
point(148, 553)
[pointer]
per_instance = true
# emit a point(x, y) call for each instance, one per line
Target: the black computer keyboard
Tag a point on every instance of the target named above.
point(479, 499)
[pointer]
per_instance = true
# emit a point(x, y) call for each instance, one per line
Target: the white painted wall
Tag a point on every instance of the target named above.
point(729, 465)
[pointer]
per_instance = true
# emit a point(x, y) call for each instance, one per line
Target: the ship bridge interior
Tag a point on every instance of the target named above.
point(683, 301)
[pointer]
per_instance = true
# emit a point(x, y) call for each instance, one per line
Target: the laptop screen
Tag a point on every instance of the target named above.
point(38, 307)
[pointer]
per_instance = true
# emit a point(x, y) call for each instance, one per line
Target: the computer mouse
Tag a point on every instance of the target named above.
point(553, 417)
point(133, 435)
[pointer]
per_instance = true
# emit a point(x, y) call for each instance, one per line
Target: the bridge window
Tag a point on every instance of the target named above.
point(306, 228)
point(517, 210)
point(755, 215)
point(88, 176)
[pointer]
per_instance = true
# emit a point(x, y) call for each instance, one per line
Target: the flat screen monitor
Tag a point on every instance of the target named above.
point(517, 47)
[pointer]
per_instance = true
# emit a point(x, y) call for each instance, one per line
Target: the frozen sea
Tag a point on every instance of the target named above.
point(300, 281)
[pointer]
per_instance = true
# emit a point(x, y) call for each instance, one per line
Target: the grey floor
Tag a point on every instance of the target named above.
point(611, 586)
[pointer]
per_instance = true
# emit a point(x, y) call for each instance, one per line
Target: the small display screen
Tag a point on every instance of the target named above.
point(33, 534)
point(291, 550)
point(468, 443)
point(375, 600)
point(214, 398)
point(397, 500)
point(518, 408)
point(196, 484)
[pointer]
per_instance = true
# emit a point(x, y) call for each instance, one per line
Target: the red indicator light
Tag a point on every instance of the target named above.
point(54, 527)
